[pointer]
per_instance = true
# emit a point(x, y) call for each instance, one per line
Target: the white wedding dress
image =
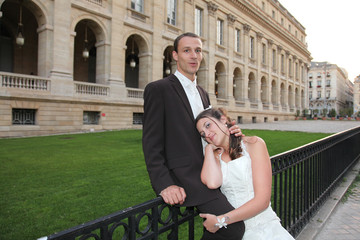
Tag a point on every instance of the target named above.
point(238, 188)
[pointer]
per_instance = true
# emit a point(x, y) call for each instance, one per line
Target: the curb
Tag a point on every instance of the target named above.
point(318, 221)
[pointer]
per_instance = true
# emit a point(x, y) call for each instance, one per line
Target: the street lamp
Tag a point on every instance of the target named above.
point(132, 61)
point(85, 52)
point(20, 39)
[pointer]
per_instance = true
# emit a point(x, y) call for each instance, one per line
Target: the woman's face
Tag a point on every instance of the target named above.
point(213, 131)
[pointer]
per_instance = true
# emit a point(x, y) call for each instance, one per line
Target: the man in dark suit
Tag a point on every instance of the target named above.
point(171, 143)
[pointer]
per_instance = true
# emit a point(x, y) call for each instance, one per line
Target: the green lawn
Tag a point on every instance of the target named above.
point(49, 184)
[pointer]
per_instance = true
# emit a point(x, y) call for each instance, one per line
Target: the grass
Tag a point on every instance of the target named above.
point(49, 184)
point(350, 190)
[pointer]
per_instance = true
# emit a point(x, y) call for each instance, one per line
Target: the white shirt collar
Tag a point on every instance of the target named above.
point(185, 82)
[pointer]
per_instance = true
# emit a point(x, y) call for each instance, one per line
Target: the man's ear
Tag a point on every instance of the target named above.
point(175, 55)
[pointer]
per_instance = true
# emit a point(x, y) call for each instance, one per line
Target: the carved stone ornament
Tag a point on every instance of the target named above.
point(270, 42)
point(212, 7)
point(231, 18)
point(259, 35)
point(246, 28)
point(279, 48)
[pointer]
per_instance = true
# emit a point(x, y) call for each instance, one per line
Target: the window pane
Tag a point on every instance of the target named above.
point(252, 54)
point(220, 32)
point(23, 116)
point(171, 12)
point(138, 118)
point(237, 40)
point(274, 58)
point(198, 21)
point(90, 117)
point(263, 53)
point(137, 5)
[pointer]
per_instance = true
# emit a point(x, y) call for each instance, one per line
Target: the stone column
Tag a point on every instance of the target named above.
point(211, 8)
point(278, 83)
point(117, 53)
point(258, 60)
point(62, 67)
point(230, 53)
point(45, 36)
point(246, 44)
point(102, 61)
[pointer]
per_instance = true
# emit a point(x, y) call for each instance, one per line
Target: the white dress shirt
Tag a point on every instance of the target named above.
point(192, 93)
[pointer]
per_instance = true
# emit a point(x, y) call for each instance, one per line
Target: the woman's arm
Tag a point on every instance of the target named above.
point(262, 178)
point(211, 174)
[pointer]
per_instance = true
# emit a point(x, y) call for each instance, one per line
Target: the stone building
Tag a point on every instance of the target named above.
point(357, 96)
point(81, 65)
point(329, 88)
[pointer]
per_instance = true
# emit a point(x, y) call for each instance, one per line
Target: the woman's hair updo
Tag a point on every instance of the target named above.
point(234, 142)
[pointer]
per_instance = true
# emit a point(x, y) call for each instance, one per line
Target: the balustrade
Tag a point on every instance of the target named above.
point(135, 93)
point(91, 89)
point(24, 82)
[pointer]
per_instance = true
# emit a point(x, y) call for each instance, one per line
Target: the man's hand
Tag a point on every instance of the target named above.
point(235, 129)
point(173, 195)
point(210, 222)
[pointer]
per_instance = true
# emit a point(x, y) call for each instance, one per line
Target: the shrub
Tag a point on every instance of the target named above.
point(332, 112)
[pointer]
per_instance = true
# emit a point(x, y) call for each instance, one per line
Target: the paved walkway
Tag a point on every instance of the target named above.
point(344, 222)
point(325, 126)
point(336, 219)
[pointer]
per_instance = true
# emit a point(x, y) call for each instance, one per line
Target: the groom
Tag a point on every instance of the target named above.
point(172, 145)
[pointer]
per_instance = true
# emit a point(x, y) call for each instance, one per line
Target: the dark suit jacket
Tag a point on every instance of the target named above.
point(171, 143)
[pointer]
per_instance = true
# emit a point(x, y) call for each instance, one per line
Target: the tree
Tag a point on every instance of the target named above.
point(332, 112)
point(316, 112)
point(324, 112)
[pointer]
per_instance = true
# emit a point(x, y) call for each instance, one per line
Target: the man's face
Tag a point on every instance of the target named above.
point(189, 56)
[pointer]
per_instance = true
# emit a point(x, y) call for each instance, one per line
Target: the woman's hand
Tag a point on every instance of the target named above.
point(235, 129)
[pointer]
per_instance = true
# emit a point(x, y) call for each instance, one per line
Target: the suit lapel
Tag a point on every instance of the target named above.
point(181, 93)
point(204, 99)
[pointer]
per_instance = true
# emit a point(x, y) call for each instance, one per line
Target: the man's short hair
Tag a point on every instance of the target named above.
point(187, 34)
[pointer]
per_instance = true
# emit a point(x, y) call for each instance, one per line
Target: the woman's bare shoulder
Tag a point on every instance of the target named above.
point(253, 141)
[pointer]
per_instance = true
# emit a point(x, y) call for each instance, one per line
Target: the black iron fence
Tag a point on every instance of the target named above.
point(302, 180)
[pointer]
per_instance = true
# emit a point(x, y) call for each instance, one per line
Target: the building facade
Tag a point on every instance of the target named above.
point(81, 65)
point(357, 96)
point(329, 88)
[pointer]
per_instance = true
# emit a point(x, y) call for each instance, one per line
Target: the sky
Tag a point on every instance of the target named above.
point(333, 30)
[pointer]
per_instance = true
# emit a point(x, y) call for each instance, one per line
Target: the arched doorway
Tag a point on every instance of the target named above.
point(132, 63)
point(238, 85)
point(201, 75)
point(168, 61)
point(274, 94)
point(252, 87)
point(264, 90)
point(282, 95)
point(290, 97)
point(137, 62)
point(18, 21)
point(85, 52)
point(220, 80)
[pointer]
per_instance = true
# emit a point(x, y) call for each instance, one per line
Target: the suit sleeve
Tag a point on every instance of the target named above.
point(153, 138)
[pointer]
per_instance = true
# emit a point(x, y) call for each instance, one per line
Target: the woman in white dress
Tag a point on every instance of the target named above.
point(241, 167)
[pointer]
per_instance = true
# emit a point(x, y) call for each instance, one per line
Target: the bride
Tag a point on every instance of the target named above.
point(241, 167)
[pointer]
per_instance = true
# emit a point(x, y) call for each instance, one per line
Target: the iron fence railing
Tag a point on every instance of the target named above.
point(302, 180)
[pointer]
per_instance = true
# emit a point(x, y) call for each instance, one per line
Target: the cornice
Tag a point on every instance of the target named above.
point(250, 10)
